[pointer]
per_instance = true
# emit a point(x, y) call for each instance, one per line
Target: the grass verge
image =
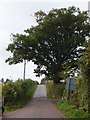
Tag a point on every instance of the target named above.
point(71, 111)
point(56, 92)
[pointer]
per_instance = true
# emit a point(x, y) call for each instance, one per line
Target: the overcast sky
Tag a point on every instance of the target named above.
point(17, 16)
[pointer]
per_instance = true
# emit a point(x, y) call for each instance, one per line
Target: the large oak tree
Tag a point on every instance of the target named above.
point(53, 42)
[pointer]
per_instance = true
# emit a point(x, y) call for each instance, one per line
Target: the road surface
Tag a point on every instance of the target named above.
point(38, 107)
point(40, 92)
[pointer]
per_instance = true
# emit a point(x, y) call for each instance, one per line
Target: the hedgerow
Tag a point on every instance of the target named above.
point(16, 94)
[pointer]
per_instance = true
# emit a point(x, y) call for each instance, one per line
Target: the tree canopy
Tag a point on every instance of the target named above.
point(53, 42)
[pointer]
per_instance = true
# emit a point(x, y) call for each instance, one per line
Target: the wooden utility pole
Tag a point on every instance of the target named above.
point(24, 70)
point(89, 9)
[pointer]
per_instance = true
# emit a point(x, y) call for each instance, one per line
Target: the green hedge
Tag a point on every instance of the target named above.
point(17, 94)
point(55, 91)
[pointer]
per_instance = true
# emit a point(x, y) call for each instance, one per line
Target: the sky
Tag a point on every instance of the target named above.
point(17, 16)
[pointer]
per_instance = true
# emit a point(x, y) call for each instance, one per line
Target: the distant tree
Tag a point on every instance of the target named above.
point(52, 44)
point(44, 80)
point(37, 82)
point(2, 80)
point(8, 80)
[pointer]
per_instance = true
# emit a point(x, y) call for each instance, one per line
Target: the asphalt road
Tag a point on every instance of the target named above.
point(40, 92)
point(38, 107)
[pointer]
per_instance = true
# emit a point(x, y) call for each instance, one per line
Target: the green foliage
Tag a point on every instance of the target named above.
point(83, 79)
point(16, 94)
point(85, 62)
point(82, 92)
point(71, 111)
point(44, 80)
point(52, 44)
point(80, 97)
point(55, 91)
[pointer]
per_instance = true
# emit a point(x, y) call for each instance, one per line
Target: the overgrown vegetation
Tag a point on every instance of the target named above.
point(17, 94)
point(55, 91)
point(75, 107)
point(71, 111)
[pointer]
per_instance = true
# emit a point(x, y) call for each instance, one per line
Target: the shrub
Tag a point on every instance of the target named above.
point(17, 93)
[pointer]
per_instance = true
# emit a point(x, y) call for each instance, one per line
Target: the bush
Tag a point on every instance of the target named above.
point(16, 94)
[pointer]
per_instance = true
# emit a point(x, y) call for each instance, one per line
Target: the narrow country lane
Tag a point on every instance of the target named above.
point(40, 92)
point(38, 107)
